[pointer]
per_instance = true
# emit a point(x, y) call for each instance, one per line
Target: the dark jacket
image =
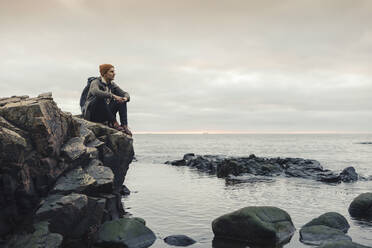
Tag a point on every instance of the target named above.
point(99, 89)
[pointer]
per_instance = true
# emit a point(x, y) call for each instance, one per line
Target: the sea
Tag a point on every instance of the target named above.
point(181, 200)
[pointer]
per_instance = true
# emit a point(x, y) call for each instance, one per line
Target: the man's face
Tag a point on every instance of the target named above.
point(110, 75)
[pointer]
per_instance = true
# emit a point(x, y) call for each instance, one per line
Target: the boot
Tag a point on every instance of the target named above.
point(126, 130)
point(116, 126)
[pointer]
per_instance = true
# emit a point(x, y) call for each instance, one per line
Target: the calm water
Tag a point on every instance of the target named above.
point(180, 200)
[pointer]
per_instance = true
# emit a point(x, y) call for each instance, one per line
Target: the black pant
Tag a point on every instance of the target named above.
point(102, 112)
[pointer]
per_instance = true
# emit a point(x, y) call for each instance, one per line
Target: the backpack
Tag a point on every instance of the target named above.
point(84, 94)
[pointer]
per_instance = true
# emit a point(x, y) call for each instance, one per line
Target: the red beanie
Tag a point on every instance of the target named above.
point(104, 68)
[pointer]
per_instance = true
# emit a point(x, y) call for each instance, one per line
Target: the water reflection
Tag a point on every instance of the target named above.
point(247, 179)
point(226, 243)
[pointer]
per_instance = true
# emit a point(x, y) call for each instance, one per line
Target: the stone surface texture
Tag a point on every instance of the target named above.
point(231, 167)
point(57, 169)
point(255, 225)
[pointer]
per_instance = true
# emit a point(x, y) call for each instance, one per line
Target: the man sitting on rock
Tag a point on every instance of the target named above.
point(105, 99)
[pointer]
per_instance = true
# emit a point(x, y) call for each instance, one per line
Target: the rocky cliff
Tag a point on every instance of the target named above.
point(61, 177)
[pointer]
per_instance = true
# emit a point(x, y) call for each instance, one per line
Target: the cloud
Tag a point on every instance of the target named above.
point(197, 65)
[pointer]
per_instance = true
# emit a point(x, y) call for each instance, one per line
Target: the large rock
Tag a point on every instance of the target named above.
point(46, 124)
point(319, 234)
point(116, 152)
point(77, 181)
point(361, 206)
point(41, 237)
point(126, 233)
point(331, 219)
point(62, 212)
point(75, 216)
point(43, 152)
point(255, 225)
point(343, 244)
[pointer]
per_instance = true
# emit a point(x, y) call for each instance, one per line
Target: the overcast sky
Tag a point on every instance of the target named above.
point(206, 65)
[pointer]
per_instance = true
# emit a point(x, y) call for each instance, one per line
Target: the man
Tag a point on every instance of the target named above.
point(105, 99)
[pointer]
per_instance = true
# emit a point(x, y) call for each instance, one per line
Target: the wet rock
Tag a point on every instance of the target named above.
point(361, 206)
point(255, 225)
point(225, 167)
point(331, 219)
point(342, 244)
point(319, 234)
point(41, 237)
point(179, 240)
point(349, 175)
point(125, 232)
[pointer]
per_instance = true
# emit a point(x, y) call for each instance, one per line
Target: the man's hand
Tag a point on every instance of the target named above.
point(120, 99)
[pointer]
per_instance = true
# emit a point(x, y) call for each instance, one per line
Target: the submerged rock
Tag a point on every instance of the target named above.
point(126, 233)
point(255, 225)
point(331, 219)
point(179, 240)
point(330, 226)
point(319, 234)
point(361, 206)
point(343, 244)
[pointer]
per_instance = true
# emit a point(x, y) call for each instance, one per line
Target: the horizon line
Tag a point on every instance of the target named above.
point(249, 132)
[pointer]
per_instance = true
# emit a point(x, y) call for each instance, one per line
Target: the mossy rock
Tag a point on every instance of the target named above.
point(125, 232)
point(318, 235)
point(361, 206)
point(331, 219)
point(343, 244)
point(255, 225)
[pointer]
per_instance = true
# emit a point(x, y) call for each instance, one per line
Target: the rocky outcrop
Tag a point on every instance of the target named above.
point(262, 226)
point(60, 176)
point(328, 227)
point(231, 167)
point(361, 206)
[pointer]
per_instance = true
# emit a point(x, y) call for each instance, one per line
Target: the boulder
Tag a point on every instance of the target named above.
point(255, 225)
point(331, 219)
point(126, 233)
point(41, 237)
point(342, 244)
point(179, 240)
point(349, 175)
point(319, 234)
point(62, 212)
point(47, 125)
point(361, 206)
